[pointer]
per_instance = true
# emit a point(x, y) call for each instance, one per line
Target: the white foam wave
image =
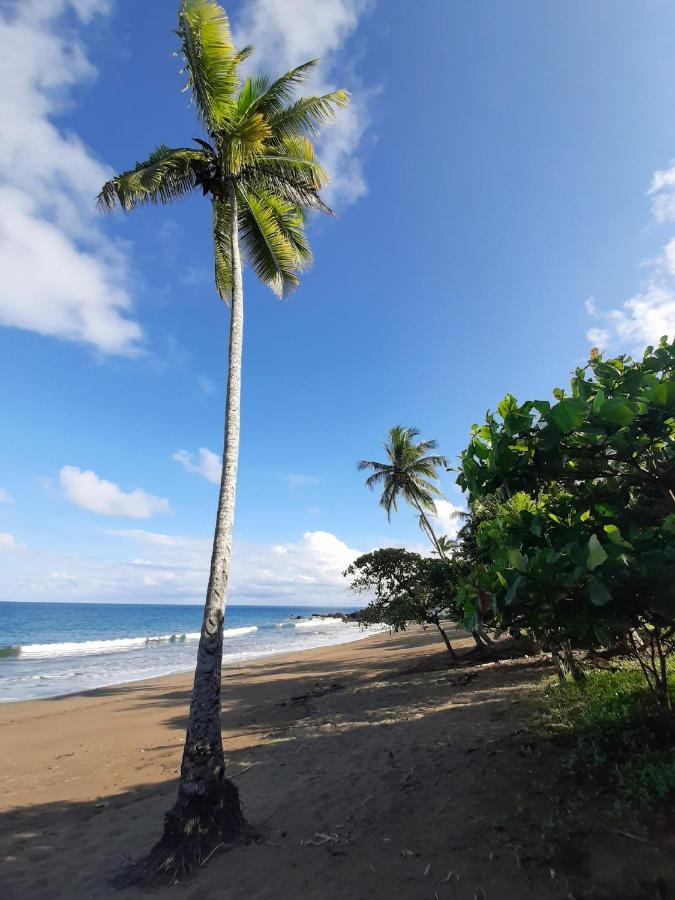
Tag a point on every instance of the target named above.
point(76, 648)
point(320, 622)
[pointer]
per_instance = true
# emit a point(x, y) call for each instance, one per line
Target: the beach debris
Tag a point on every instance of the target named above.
point(243, 771)
point(321, 838)
point(207, 858)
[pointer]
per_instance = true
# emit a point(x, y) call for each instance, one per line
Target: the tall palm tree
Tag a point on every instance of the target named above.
point(409, 473)
point(256, 165)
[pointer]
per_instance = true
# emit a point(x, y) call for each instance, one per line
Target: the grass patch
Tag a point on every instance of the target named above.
point(619, 737)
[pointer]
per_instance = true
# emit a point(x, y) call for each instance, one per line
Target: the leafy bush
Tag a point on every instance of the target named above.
point(622, 739)
point(581, 547)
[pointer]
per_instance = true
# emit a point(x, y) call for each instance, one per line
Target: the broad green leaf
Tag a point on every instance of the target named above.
point(599, 400)
point(663, 394)
point(568, 414)
point(517, 560)
point(507, 405)
point(598, 592)
point(513, 590)
point(617, 411)
point(613, 533)
point(596, 553)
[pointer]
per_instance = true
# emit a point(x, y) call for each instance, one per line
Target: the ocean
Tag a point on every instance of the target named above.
point(52, 649)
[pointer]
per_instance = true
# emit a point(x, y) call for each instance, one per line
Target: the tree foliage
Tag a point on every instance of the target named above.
point(405, 588)
point(579, 543)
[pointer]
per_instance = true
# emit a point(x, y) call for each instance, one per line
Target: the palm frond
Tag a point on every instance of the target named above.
point(296, 160)
point(371, 464)
point(388, 500)
point(291, 223)
point(211, 60)
point(307, 115)
point(288, 186)
point(222, 248)
point(375, 479)
point(271, 255)
point(434, 462)
point(261, 94)
point(165, 176)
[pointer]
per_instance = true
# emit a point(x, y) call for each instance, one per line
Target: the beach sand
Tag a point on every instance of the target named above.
point(371, 770)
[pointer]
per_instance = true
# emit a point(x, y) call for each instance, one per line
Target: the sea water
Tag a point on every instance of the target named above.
point(51, 649)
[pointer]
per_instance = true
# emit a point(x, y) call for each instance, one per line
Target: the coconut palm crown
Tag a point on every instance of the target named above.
point(258, 158)
point(409, 473)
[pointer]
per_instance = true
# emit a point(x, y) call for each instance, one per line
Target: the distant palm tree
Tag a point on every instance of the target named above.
point(258, 169)
point(409, 473)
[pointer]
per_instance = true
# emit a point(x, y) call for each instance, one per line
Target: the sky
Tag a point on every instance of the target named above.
point(504, 182)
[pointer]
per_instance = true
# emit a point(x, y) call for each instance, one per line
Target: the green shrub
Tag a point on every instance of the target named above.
point(621, 738)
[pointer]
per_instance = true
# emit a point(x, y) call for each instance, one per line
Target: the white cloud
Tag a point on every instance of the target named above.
point(449, 519)
point(207, 463)
point(206, 385)
point(641, 320)
point(63, 578)
point(5, 496)
point(87, 490)
point(305, 571)
point(669, 257)
point(662, 192)
point(297, 479)
point(60, 275)
point(290, 33)
point(8, 543)
point(650, 314)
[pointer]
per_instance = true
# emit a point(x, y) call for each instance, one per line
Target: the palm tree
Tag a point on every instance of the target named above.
point(409, 473)
point(257, 167)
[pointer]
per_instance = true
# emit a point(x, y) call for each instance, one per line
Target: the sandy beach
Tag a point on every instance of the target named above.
point(371, 770)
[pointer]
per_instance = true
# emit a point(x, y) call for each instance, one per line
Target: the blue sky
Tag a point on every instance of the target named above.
point(506, 195)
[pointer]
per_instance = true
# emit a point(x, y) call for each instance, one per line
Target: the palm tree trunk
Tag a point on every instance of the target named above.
point(208, 812)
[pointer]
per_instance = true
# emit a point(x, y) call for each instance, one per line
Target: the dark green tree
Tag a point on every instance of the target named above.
point(583, 549)
point(406, 588)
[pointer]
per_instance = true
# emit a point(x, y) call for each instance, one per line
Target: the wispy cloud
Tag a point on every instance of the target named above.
point(8, 543)
point(650, 313)
point(88, 491)
point(448, 517)
point(206, 463)
point(206, 385)
point(61, 276)
point(5, 496)
point(163, 567)
point(292, 33)
point(296, 480)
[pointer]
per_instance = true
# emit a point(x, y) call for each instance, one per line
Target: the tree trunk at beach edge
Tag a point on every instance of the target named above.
point(208, 814)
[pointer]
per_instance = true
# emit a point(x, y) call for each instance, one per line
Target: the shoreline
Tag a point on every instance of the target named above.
point(157, 680)
point(242, 658)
